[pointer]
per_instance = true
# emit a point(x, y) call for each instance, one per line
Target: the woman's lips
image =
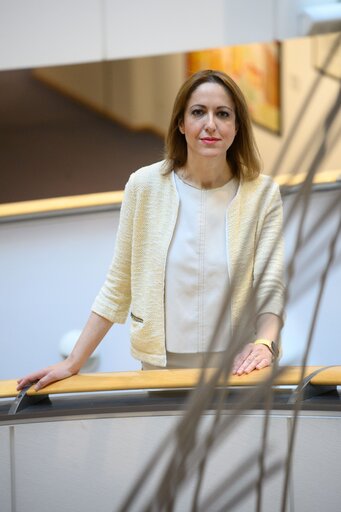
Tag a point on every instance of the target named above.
point(209, 140)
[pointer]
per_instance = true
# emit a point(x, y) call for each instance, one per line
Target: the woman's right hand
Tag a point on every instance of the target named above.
point(47, 375)
point(92, 334)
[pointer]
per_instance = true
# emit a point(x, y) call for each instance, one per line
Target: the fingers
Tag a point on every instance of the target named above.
point(241, 358)
point(263, 364)
point(57, 372)
point(40, 379)
point(46, 376)
point(251, 358)
point(44, 381)
point(248, 365)
point(30, 379)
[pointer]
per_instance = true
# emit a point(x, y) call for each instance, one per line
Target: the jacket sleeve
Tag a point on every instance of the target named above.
point(113, 299)
point(269, 258)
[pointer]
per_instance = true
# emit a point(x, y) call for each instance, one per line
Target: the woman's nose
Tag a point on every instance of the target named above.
point(210, 122)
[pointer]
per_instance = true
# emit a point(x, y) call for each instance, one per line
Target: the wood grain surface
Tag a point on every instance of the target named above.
point(173, 379)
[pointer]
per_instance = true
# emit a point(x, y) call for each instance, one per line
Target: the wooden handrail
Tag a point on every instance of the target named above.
point(172, 379)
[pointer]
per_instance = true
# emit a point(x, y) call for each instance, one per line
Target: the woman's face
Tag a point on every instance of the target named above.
point(209, 123)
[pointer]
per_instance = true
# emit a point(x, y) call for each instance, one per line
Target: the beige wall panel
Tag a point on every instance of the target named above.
point(91, 464)
point(308, 97)
point(5, 473)
point(316, 465)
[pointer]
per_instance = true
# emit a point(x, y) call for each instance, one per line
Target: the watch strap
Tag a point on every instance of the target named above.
point(272, 346)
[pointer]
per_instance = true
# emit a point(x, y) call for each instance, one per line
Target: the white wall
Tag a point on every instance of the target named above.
point(46, 32)
point(50, 272)
point(305, 284)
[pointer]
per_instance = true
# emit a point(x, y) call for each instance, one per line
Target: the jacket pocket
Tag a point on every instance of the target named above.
point(136, 318)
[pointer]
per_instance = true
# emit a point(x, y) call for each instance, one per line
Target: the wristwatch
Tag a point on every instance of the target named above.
point(273, 346)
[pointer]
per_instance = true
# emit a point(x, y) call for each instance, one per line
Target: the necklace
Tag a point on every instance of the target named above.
point(183, 176)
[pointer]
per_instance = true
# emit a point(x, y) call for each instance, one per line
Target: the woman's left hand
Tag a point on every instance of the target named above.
point(252, 357)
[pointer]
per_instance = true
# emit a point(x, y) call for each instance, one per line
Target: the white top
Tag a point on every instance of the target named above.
point(197, 276)
point(136, 277)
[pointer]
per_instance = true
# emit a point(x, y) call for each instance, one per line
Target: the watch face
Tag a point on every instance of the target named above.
point(274, 348)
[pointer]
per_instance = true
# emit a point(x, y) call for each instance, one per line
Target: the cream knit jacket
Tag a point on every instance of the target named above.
point(136, 277)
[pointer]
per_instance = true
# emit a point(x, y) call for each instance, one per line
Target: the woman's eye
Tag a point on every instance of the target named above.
point(223, 113)
point(197, 112)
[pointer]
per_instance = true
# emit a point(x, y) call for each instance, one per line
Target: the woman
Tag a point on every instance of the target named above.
point(198, 254)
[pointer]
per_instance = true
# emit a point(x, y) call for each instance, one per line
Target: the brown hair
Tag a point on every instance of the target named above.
point(243, 156)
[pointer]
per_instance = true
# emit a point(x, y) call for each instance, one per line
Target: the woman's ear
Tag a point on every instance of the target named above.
point(181, 127)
